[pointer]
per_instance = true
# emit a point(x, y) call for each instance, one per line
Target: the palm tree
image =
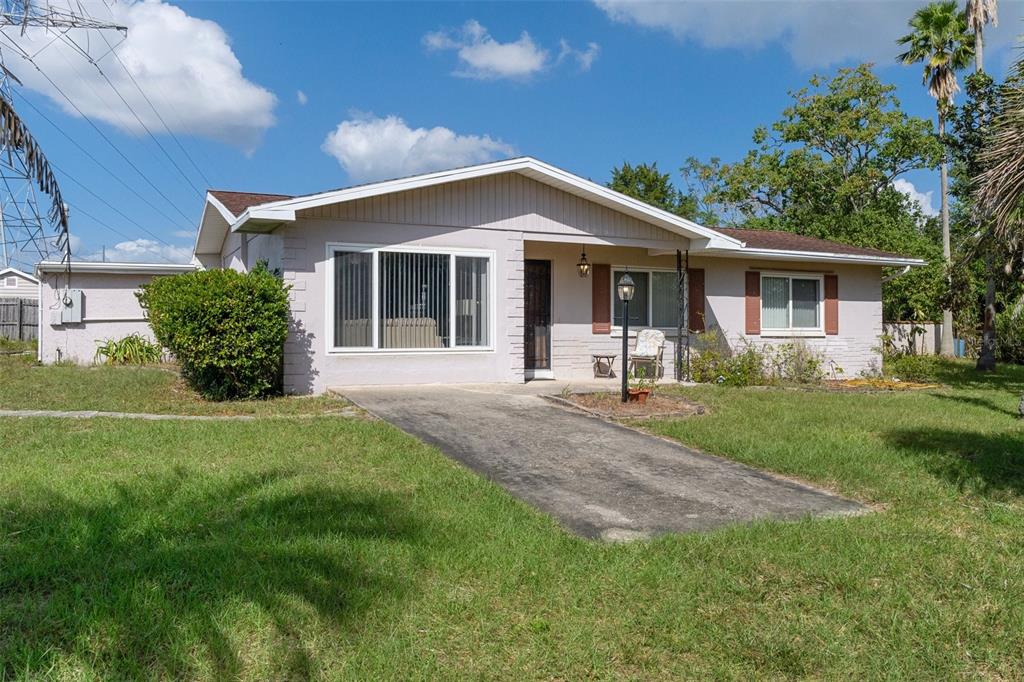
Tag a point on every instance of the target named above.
point(979, 13)
point(940, 39)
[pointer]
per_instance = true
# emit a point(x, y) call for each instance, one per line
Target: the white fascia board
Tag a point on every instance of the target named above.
point(223, 212)
point(117, 268)
point(20, 273)
point(285, 209)
point(815, 256)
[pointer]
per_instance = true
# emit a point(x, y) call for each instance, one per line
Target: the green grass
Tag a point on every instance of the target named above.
point(29, 386)
point(333, 548)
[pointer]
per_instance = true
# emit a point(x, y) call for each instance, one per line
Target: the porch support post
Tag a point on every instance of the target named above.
point(680, 284)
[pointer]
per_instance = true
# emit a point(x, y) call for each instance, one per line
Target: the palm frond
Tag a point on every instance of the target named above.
point(979, 13)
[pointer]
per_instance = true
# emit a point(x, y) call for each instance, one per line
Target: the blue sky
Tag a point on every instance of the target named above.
point(391, 88)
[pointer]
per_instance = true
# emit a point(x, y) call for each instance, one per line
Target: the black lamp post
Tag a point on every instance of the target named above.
point(625, 289)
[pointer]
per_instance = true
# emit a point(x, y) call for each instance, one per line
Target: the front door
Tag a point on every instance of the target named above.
point(538, 317)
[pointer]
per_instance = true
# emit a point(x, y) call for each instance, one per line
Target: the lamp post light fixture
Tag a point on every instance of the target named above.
point(584, 265)
point(625, 289)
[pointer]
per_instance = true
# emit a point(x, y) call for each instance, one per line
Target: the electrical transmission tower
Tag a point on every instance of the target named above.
point(27, 233)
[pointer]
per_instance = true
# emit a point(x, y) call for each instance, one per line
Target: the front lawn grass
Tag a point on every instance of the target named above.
point(331, 548)
point(26, 385)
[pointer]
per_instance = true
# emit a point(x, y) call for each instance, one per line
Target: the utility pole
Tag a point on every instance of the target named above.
point(29, 233)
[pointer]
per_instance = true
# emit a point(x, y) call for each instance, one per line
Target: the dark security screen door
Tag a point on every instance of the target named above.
point(538, 314)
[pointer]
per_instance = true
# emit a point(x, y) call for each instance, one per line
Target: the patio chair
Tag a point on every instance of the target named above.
point(649, 348)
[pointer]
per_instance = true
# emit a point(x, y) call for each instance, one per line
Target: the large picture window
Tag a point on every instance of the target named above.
point(791, 303)
point(391, 299)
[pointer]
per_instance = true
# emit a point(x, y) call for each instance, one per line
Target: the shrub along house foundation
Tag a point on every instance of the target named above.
point(471, 275)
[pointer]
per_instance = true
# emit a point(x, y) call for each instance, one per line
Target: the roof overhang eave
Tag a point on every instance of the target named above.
point(816, 257)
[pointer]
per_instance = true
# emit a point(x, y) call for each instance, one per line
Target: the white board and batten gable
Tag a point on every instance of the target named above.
point(17, 284)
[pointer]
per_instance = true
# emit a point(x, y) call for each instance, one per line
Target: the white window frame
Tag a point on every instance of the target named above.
point(617, 328)
point(11, 282)
point(791, 330)
point(375, 250)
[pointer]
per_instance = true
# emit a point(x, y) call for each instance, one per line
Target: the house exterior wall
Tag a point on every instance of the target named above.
point(855, 349)
point(109, 311)
point(23, 287)
point(310, 367)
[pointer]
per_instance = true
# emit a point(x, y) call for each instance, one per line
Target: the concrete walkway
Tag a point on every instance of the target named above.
point(599, 479)
point(94, 414)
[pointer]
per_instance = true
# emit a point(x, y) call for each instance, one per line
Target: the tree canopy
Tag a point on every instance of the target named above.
point(646, 183)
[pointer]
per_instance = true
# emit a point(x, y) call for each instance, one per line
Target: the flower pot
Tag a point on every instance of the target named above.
point(639, 395)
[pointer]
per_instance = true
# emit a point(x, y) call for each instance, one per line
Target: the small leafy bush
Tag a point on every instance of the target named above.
point(226, 329)
point(133, 349)
point(1010, 337)
point(716, 363)
point(918, 368)
point(795, 363)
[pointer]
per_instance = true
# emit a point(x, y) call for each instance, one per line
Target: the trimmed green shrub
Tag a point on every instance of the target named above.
point(1010, 337)
point(226, 329)
point(133, 349)
point(918, 368)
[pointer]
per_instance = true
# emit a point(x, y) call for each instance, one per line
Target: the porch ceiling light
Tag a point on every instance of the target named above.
point(626, 288)
point(584, 265)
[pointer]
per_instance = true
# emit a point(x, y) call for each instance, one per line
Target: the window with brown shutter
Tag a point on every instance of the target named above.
point(601, 297)
point(831, 304)
point(753, 302)
point(695, 277)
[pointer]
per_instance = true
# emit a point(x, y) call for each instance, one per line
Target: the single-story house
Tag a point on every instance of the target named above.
point(17, 284)
point(472, 275)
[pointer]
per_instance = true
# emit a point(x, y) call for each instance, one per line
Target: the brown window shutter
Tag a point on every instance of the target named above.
point(601, 297)
point(695, 277)
point(753, 302)
point(831, 304)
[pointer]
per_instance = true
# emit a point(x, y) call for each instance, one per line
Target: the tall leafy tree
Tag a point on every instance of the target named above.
point(826, 169)
point(940, 39)
point(980, 13)
point(646, 183)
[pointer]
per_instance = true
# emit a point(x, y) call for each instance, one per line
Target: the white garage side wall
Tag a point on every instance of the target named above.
point(109, 311)
point(312, 367)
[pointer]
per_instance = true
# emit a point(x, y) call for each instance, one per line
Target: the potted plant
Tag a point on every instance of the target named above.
point(639, 385)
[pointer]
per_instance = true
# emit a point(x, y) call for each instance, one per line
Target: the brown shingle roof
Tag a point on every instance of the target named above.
point(237, 202)
point(787, 241)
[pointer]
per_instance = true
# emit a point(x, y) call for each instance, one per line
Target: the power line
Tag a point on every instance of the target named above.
point(100, 163)
point(157, 112)
point(135, 114)
point(103, 135)
point(114, 230)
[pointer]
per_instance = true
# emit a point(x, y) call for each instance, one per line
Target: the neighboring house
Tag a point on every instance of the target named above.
point(470, 275)
point(98, 303)
point(17, 284)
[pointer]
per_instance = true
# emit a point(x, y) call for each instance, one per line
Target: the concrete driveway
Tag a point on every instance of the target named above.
point(599, 479)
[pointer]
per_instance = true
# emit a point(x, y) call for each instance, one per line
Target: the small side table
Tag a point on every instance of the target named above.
point(604, 365)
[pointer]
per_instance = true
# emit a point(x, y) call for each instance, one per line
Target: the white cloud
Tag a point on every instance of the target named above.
point(922, 199)
point(584, 58)
point(301, 97)
point(184, 234)
point(373, 148)
point(140, 251)
point(815, 33)
point(185, 66)
point(484, 58)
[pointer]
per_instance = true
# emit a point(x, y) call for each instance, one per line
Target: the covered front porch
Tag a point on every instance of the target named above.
point(571, 313)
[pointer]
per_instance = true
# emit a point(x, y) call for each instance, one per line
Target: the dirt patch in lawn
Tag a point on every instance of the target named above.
point(610, 406)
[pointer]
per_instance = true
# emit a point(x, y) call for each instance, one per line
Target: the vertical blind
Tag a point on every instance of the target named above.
point(775, 303)
point(471, 300)
point(790, 303)
point(421, 297)
point(414, 300)
point(664, 299)
point(353, 299)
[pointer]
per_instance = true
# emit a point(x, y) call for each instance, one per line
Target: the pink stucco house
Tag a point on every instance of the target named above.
point(471, 275)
